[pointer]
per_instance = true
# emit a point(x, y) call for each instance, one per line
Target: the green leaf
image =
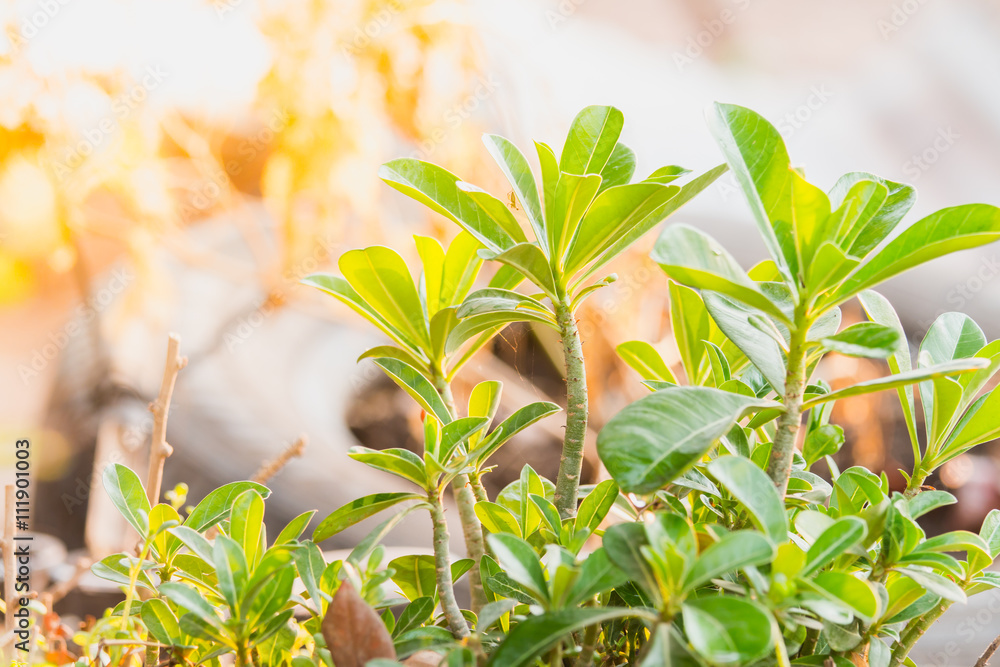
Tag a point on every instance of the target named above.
point(345, 293)
point(382, 279)
point(437, 188)
point(432, 257)
point(596, 505)
point(495, 210)
point(755, 491)
point(597, 575)
point(414, 615)
point(823, 441)
point(246, 525)
point(990, 532)
point(899, 380)
point(484, 400)
point(741, 325)
point(162, 517)
point(492, 613)
point(758, 158)
point(398, 461)
point(417, 386)
point(415, 576)
point(645, 360)
point(550, 178)
point(216, 505)
point(519, 561)
point(733, 551)
point(461, 266)
point(881, 311)
point(497, 518)
point(515, 168)
point(688, 191)
point(400, 353)
point(843, 534)
point(623, 543)
point(619, 168)
point(357, 511)
point(727, 630)
point(942, 233)
point(117, 568)
point(866, 339)
point(508, 428)
point(310, 565)
point(926, 501)
point(491, 322)
point(615, 212)
point(191, 600)
point(161, 622)
point(695, 259)
point(691, 324)
point(855, 593)
point(459, 431)
point(532, 637)
point(658, 437)
point(128, 496)
point(231, 566)
point(529, 259)
point(365, 546)
point(872, 225)
point(574, 195)
point(591, 140)
point(935, 583)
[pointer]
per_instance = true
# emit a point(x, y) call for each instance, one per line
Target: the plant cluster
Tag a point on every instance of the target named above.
point(713, 543)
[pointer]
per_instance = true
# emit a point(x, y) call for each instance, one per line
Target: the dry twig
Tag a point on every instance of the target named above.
point(271, 468)
point(159, 450)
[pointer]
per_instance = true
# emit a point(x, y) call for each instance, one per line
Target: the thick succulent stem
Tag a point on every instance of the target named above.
point(571, 462)
point(780, 466)
point(442, 568)
point(465, 498)
point(589, 646)
point(914, 630)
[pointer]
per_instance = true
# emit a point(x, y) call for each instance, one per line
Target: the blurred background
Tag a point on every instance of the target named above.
point(178, 166)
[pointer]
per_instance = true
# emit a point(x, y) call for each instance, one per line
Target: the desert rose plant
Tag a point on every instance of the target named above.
point(712, 543)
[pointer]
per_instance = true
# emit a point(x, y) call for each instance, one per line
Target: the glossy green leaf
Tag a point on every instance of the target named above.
point(117, 568)
point(216, 505)
point(127, 495)
point(871, 225)
point(529, 259)
point(415, 576)
point(246, 525)
point(596, 505)
point(619, 168)
point(865, 339)
point(357, 511)
point(515, 168)
point(755, 491)
point(695, 259)
point(398, 461)
point(508, 428)
point(161, 622)
point(851, 591)
point(645, 360)
point(437, 188)
point(944, 232)
point(191, 600)
point(823, 441)
point(597, 575)
point(655, 439)
point(532, 637)
point(310, 565)
point(231, 567)
point(574, 195)
point(417, 386)
point(691, 324)
point(737, 322)
point(495, 210)
point(843, 534)
point(519, 561)
point(727, 630)
point(497, 518)
point(591, 140)
point(935, 583)
point(733, 551)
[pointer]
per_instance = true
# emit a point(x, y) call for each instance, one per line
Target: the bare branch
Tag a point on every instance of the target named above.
point(271, 468)
point(159, 450)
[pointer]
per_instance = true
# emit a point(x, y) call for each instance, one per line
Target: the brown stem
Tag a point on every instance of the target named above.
point(271, 468)
point(159, 450)
point(984, 659)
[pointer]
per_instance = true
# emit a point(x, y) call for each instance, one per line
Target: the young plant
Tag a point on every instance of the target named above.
point(585, 214)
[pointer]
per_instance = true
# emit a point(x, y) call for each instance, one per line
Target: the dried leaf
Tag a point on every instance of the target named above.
point(353, 631)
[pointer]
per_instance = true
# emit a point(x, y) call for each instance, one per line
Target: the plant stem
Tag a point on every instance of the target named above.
point(984, 659)
point(571, 462)
point(809, 644)
point(465, 498)
point(780, 466)
point(590, 635)
point(442, 567)
point(916, 483)
point(914, 631)
point(478, 489)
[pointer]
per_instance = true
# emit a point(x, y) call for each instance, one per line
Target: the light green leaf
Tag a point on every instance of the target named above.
point(293, 530)
point(871, 227)
point(823, 441)
point(591, 140)
point(495, 210)
point(843, 534)
point(497, 518)
point(691, 324)
point(380, 276)
point(697, 260)
point(508, 428)
point(398, 461)
point(942, 233)
point(737, 323)
point(191, 600)
point(619, 168)
point(645, 360)
point(515, 167)
point(596, 505)
point(529, 259)
point(128, 496)
point(754, 489)
point(415, 576)
point(857, 594)
point(357, 511)
point(432, 257)
point(519, 561)
point(655, 439)
point(574, 195)
point(216, 505)
point(866, 339)
point(246, 525)
point(161, 622)
point(417, 386)
point(437, 188)
point(461, 266)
